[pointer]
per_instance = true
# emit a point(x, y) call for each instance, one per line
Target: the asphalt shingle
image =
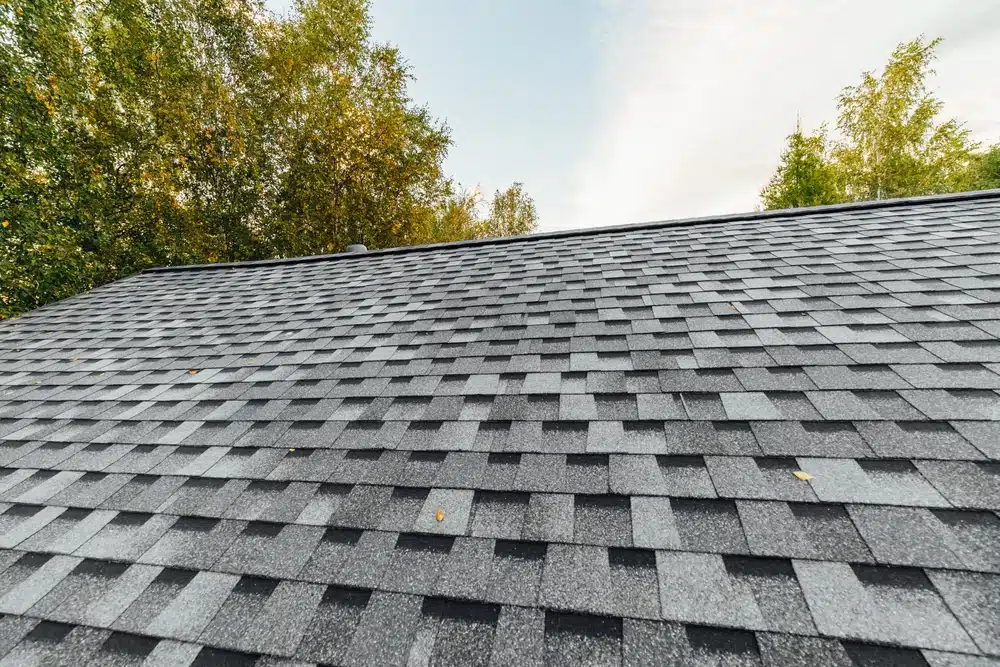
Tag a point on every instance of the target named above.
point(577, 448)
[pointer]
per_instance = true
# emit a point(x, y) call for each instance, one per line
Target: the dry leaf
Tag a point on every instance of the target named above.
point(439, 516)
point(193, 371)
point(292, 449)
point(804, 476)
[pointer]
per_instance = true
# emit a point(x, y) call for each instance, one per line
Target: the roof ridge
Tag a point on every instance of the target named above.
point(592, 231)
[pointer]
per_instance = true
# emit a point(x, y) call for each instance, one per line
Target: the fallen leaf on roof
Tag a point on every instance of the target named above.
point(439, 515)
point(804, 476)
point(193, 371)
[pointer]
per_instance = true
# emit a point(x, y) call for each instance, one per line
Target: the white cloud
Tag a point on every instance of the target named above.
point(696, 98)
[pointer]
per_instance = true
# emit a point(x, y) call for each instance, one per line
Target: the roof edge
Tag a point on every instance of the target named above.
point(681, 222)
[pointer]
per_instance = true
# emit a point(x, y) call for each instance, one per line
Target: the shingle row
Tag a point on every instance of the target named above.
point(406, 584)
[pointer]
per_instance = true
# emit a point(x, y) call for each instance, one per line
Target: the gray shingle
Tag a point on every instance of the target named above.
point(972, 598)
point(696, 588)
point(802, 530)
point(584, 410)
point(879, 604)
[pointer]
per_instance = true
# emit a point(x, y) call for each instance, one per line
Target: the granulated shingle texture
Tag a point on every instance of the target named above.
point(567, 449)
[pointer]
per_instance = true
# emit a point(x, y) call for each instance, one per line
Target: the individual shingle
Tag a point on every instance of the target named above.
point(367, 560)
point(516, 573)
point(160, 592)
point(193, 542)
point(696, 588)
point(416, 563)
point(781, 650)
point(577, 578)
point(462, 632)
point(466, 572)
point(329, 635)
point(775, 589)
point(718, 437)
point(686, 476)
point(634, 582)
point(127, 536)
point(898, 606)
point(763, 477)
point(881, 482)
point(654, 524)
point(819, 438)
point(68, 600)
point(270, 549)
point(519, 638)
point(455, 508)
point(801, 530)
point(708, 525)
point(188, 613)
point(385, 630)
point(323, 504)
point(283, 620)
point(602, 520)
point(330, 554)
point(985, 436)
point(19, 522)
point(572, 639)
point(930, 440)
point(549, 518)
point(972, 598)
point(964, 483)
point(498, 514)
point(35, 577)
point(954, 403)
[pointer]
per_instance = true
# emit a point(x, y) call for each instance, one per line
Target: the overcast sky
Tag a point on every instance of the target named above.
point(615, 111)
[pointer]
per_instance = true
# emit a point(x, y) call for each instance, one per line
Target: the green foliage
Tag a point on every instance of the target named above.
point(136, 133)
point(986, 170)
point(892, 146)
point(890, 142)
point(804, 176)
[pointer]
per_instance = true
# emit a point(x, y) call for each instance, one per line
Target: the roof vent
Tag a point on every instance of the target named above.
point(356, 247)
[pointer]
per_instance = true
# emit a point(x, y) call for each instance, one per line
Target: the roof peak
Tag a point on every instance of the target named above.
point(679, 222)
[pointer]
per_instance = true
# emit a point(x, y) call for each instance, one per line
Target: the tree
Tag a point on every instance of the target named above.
point(512, 213)
point(805, 176)
point(137, 133)
point(889, 142)
point(986, 170)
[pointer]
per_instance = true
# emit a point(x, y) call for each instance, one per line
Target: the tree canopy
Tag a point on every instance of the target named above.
point(889, 143)
point(136, 133)
point(804, 176)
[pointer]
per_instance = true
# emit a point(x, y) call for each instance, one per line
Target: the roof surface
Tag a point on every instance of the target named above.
point(577, 449)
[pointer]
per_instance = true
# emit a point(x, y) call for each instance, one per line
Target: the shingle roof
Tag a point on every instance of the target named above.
point(562, 449)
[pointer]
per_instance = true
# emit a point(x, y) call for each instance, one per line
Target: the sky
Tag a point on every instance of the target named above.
point(618, 111)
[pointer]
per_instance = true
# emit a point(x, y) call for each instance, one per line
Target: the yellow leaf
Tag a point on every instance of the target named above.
point(193, 371)
point(439, 516)
point(804, 476)
point(5, 223)
point(292, 449)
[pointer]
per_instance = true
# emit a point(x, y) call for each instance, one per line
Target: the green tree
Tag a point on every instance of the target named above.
point(512, 213)
point(137, 133)
point(986, 170)
point(892, 144)
point(805, 175)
